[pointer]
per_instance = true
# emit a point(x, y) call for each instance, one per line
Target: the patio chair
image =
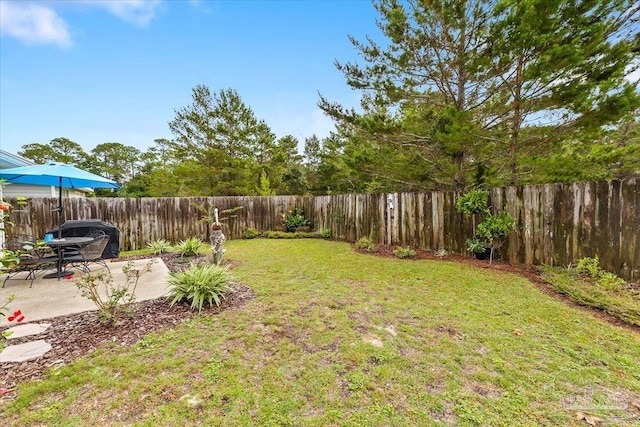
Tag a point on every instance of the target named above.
point(34, 258)
point(89, 253)
point(74, 251)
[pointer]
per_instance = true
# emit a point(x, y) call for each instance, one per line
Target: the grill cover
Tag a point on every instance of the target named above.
point(79, 228)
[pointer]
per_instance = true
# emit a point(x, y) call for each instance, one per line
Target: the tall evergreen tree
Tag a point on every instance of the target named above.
point(218, 141)
point(432, 61)
point(472, 87)
point(59, 149)
point(560, 64)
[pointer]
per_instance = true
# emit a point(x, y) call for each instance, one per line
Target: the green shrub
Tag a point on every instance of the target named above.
point(251, 233)
point(114, 299)
point(277, 235)
point(401, 252)
point(473, 202)
point(160, 246)
point(294, 220)
point(366, 244)
point(494, 227)
point(325, 233)
point(610, 282)
point(189, 247)
point(199, 284)
point(295, 235)
point(589, 267)
point(477, 246)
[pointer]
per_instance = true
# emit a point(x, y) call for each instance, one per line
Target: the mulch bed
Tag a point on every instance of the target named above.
point(78, 334)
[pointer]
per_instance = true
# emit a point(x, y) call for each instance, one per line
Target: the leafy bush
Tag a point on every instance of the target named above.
point(189, 247)
point(114, 300)
point(477, 246)
point(589, 267)
point(494, 229)
point(295, 235)
point(610, 282)
point(473, 202)
point(325, 233)
point(199, 284)
point(278, 235)
point(251, 233)
point(401, 252)
point(294, 220)
point(366, 244)
point(160, 246)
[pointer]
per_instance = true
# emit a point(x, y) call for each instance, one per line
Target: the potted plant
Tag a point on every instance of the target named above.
point(474, 204)
point(477, 247)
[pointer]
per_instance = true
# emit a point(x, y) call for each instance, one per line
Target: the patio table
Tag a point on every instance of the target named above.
point(59, 245)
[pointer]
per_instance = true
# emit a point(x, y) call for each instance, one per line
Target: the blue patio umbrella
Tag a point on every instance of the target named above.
point(60, 175)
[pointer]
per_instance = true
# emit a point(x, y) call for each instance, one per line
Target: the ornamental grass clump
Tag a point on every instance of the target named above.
point(200, 284)
point(189, 247)
point(159, 246)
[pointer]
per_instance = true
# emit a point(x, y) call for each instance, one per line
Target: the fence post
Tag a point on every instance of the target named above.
point(389, 218)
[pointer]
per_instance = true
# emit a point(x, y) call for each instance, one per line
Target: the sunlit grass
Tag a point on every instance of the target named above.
point(335, 337)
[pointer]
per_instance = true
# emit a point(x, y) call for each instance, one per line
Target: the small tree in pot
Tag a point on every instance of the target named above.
point(474, 202)
point(495, 229)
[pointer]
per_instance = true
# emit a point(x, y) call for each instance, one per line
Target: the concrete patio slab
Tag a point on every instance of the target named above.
point(49, 298)
point(27, 330)
point(23, 352)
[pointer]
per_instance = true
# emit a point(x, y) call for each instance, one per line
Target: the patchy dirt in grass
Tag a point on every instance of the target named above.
point(531, 273)
point(76, 335)
point(79, 334)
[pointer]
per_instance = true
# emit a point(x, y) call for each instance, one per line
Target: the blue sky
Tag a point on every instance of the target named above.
point(115, 71)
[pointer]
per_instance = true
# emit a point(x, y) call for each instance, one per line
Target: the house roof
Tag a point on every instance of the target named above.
point(8, 160)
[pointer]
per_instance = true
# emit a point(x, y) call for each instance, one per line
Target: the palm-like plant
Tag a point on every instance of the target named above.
point(159, 246)
point(199, 284)
point(189, 247)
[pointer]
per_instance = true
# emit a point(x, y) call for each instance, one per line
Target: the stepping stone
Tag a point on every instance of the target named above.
point(27, 330)
point(23, 352)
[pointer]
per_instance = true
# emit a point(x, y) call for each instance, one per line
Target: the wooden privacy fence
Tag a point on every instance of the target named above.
point(556, 223)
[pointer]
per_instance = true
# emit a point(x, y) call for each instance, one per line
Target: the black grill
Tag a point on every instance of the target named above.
point(79, 228)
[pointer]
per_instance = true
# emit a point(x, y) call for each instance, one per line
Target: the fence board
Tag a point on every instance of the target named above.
point(556, 223)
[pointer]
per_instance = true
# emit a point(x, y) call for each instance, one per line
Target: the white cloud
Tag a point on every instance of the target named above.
point(137, 12)
point(202, 6)
point(33, 24)
point(300, 124)
point(39, 23)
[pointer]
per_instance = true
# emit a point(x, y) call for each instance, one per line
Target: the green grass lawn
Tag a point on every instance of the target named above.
point(339, 338)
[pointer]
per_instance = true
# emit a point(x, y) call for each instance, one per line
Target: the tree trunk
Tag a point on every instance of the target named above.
point(517, 121)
